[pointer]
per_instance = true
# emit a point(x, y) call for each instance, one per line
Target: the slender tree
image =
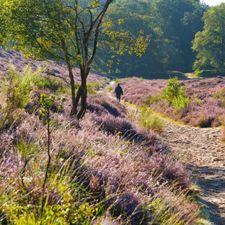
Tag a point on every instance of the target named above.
point(67, 31)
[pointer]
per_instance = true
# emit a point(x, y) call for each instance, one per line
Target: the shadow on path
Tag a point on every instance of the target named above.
point(212, 184)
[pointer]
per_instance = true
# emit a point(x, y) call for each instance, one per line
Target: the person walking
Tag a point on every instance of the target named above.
point(118, 92)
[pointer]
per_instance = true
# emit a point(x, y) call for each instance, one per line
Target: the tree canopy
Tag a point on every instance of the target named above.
point(171, 25)
point(210, 43)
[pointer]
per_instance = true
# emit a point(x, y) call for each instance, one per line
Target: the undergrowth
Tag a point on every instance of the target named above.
point(176, 95)
point(150, 121)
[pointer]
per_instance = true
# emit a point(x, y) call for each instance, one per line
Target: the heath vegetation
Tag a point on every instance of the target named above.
point(56, 170)
point(69, 152)
point(196, 102)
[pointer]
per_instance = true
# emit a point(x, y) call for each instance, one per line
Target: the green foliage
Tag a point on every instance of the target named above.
point(170, 25)
point(68, 31)
point(93, 87)
point(197, 74)
point(209, 44)
point(152, 99)
point(58, 214)
point(175, 94)
point(15, 93)
point(27, 149)
point(52, 84)
point(46, 102)
point(16, 87)
point(69, 211)
point(220, 94)
point(150, 121)
point(164, 213)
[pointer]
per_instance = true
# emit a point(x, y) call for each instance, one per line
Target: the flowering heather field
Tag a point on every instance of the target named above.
point(207, 99)
point(51, 68)
point(103, 168)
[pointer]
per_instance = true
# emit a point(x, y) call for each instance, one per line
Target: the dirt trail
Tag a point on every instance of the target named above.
point(204, 154)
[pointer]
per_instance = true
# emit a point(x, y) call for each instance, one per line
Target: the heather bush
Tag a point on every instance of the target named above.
point(90, 173)
point(103, 105)
point(121, 127)
point(205, 98)
point(152, 99)
point(65, 200)
point(175, 94)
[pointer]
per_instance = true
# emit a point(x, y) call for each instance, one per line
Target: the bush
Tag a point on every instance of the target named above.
point(175, 94)
point(16, 89)
point(93, 87)
point(150, 121)
point(197, 74)
point(101, 104)
point(115, 125)
point(52, 84)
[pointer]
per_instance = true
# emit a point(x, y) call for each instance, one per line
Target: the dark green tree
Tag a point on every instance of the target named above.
point(210, 43)
point(171, 26)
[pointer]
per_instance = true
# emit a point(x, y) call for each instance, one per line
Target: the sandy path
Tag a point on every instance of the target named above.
point(204, 154)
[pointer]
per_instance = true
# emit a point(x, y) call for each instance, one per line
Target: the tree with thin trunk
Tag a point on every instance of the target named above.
point(69, 32)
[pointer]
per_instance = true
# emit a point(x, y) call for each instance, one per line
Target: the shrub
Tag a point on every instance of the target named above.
point(93, 87)
point(175, 94)
point(16, 89)
point(197, 74)
point(100, 105)
point(52, 84)
point(219, 94)
point(150, 121)
point(114, 125)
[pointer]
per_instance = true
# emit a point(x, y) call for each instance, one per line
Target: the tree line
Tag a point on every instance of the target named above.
point(185, 35)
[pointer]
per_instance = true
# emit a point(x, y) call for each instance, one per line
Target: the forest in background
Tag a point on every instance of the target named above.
point(176, 41)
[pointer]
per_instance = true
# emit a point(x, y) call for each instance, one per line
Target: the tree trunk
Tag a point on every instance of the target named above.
point(83, 95)
point(73, 95)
